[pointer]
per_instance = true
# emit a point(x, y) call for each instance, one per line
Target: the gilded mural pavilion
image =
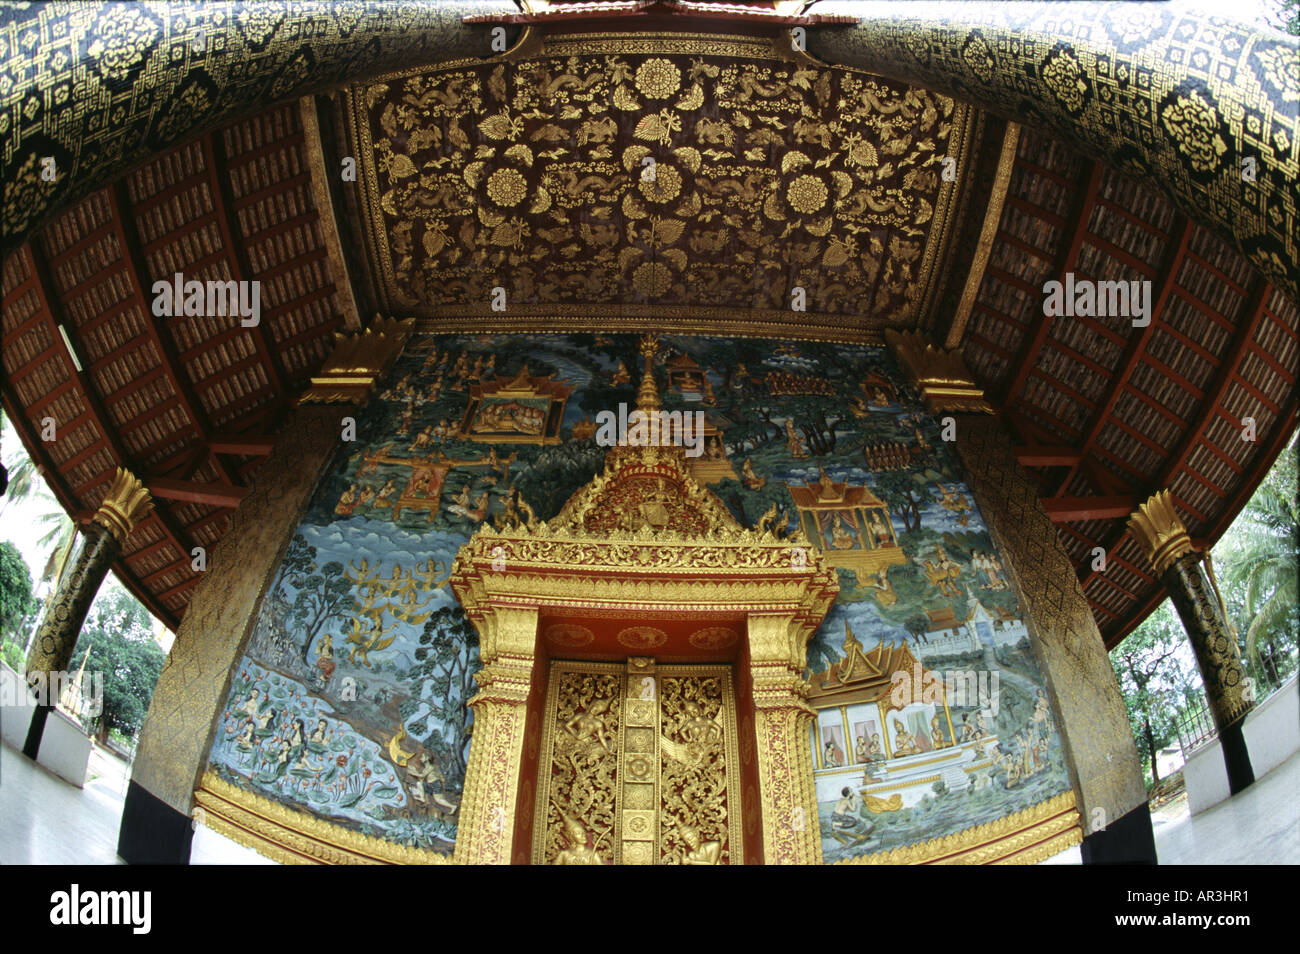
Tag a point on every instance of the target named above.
point(844, 607)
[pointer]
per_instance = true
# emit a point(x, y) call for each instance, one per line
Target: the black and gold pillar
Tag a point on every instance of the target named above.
point(157, 820)
point(1155, 525)
point(98, 546)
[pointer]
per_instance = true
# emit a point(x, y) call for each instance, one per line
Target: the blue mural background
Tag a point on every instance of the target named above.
point(362, 661)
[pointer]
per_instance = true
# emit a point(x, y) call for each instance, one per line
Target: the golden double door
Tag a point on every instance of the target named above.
point(638, 765)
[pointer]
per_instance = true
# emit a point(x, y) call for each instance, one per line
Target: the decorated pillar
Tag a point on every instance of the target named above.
point(1156, 527)
point(1085, 696)
point(195, 681)
point(507, 647)
point(782, 722)
point(99, 545)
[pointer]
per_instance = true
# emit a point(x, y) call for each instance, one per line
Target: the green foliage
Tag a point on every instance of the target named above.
point(118, 637)
point(1258, 563)
point(445, 661)
point(16, 602)
point(1158, 676)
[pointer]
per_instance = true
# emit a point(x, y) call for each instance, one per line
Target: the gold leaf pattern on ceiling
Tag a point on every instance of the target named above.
point(682, 179)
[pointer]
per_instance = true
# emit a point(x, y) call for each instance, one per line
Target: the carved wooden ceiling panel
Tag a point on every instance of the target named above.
point(699, 177)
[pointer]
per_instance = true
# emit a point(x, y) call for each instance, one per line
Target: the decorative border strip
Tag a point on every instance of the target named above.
point(292, 837)
point(1025, 837)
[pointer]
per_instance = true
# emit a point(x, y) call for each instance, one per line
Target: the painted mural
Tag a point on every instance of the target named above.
point(350, 699)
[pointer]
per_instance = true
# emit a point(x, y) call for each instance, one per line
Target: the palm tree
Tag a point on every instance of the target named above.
point(25, 484)
point(1262, 553)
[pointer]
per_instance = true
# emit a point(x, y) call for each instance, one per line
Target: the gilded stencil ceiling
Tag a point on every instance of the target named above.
point(699, 176)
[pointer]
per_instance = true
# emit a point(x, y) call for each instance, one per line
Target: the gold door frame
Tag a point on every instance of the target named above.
point(639, 765)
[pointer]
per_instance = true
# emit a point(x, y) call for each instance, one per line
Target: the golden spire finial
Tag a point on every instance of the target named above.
point(647, 397)
point(1155, 525)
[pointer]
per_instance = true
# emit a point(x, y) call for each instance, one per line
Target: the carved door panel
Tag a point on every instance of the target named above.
point(638, 766)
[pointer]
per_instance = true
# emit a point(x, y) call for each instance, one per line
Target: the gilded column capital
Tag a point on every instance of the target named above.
point(939, 374)
point(126, 503)
point(1156, 527)
point(358, 361)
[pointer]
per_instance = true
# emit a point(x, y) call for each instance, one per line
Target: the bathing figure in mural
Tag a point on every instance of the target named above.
point(578, 851)
point(246, 739)
point(793, 442)
point(252, 707)
point(701, 852)
point(318, 734)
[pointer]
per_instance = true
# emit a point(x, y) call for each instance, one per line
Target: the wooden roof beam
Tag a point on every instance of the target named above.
point(189, 491)
point(1047, 455)
point(251, 445)
point(1078, 509)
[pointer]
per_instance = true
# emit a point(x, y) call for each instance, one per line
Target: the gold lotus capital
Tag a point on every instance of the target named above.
point(1156, 526)
point(126, 502)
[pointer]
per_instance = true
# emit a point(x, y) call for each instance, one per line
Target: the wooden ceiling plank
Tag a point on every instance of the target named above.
point(1137, 343)
point(1034, 344)
point(1266, 356)
point(31, 321)
point(138, 266)
point(1155, 363)
point(265, 192)
point(1037, 211)
point(1210, 402)
point(1203, 308)
point(219, 173)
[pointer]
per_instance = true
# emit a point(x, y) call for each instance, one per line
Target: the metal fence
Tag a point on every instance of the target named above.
point(1195, 728)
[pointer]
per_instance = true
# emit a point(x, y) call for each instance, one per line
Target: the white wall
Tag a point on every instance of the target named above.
point(65, 749)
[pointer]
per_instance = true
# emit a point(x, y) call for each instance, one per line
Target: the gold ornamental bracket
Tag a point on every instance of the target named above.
point(358, 361)
point(125, 504)
point(939, 374)
point(1157, 528)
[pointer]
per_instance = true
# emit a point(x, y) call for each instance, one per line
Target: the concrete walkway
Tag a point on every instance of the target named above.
point(1260, 826)
point(45, 820)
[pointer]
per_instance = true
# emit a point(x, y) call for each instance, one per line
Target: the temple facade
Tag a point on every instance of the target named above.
point(652, 442)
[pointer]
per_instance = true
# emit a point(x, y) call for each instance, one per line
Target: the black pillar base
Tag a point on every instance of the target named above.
point(36, 731)
point(1126, 841)
point(1236, 758)
point(152, 832)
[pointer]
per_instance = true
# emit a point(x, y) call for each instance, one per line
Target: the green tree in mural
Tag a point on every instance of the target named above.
point(904, 493)
point(1156, 680)
point(445, 660)
point(817, 418)
point(321, 593)
point(916, 625)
